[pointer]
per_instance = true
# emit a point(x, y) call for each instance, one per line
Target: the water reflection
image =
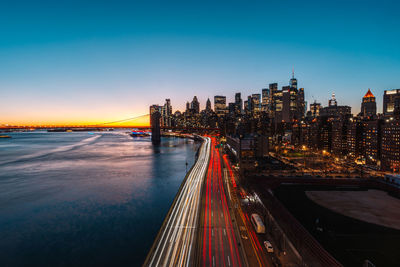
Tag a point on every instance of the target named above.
point(99, 202)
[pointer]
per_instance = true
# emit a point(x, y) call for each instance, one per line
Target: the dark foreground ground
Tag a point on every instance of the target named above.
point(349, 240)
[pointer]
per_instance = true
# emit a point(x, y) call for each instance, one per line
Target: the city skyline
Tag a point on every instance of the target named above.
point(200, 133)
point(93, 62)
point(143, 120)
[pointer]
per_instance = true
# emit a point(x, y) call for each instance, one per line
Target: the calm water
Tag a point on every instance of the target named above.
point(85, 198)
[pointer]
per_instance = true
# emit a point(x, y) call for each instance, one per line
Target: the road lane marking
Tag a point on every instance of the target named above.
point(229, 261)
point(225, 234)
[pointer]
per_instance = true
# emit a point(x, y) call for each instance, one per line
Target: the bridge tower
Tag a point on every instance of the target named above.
point(155, 127)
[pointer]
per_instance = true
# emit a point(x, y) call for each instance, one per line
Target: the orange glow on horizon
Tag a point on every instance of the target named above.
point(140, 121)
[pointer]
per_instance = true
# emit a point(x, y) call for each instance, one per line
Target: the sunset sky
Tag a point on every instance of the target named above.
point(87, 62)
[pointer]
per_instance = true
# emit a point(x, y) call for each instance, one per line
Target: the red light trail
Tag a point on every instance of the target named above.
point(220, 247)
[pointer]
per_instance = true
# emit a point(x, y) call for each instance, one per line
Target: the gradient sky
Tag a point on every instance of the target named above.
point(75, 62)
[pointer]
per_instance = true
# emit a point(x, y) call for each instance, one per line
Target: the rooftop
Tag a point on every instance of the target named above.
point(369, 94)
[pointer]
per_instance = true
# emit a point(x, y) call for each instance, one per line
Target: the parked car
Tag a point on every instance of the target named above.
point(268, 246)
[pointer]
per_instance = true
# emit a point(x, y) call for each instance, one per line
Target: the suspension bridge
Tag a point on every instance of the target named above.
point(131, 122)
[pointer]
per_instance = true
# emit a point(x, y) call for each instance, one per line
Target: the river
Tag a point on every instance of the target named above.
point(85, 199)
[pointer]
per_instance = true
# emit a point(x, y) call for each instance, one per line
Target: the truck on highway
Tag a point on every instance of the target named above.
point(257, 223)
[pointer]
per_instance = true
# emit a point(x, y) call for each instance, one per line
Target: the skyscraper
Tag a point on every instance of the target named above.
point(187, 107)
point(301, 104)
point(278, 105)
point(293, 104)
point(273, 88)
point(166, 114)
point(293, 81)
point(238, 104)
point(265, 106)
point(368, 105)
point(208, 105)
point(195, 105)
point(256, 105)
point(220, 105)
point(249, 105)
point(391, 145)
point(286, 104)
point(231, 109)
point(391, 101)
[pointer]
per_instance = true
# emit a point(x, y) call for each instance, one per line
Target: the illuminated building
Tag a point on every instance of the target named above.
point(256, 105)
point(278, 105)
point(249, 105)
point(220, 105)
point(293, 108)
point(390, 149)
point(273, 88)
point(246, 105)
point(325, 134)
point(314, 109)
point(238, 104)
point(293, 82)
point(368, 105)
point(371, 141)
point(265, 101)
point(333, 110)
point(391, 100)
point(286, 104)
point(339, 136)
point(332, 102)
point(301, 104)
point(166, 113)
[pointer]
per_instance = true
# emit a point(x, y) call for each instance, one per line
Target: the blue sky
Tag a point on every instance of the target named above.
point(103, 60)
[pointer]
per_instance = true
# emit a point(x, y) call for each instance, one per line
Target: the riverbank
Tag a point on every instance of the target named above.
point(181, 227)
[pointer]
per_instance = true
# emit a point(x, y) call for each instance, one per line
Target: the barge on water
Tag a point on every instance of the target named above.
point(139, 133)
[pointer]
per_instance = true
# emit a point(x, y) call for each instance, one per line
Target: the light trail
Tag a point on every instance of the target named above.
point(220, 247)
point(258, 251)
point(175, 244)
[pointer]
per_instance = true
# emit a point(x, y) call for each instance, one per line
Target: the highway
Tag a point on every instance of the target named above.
point(219, 244)
point(175, 244)
point(254, 250)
